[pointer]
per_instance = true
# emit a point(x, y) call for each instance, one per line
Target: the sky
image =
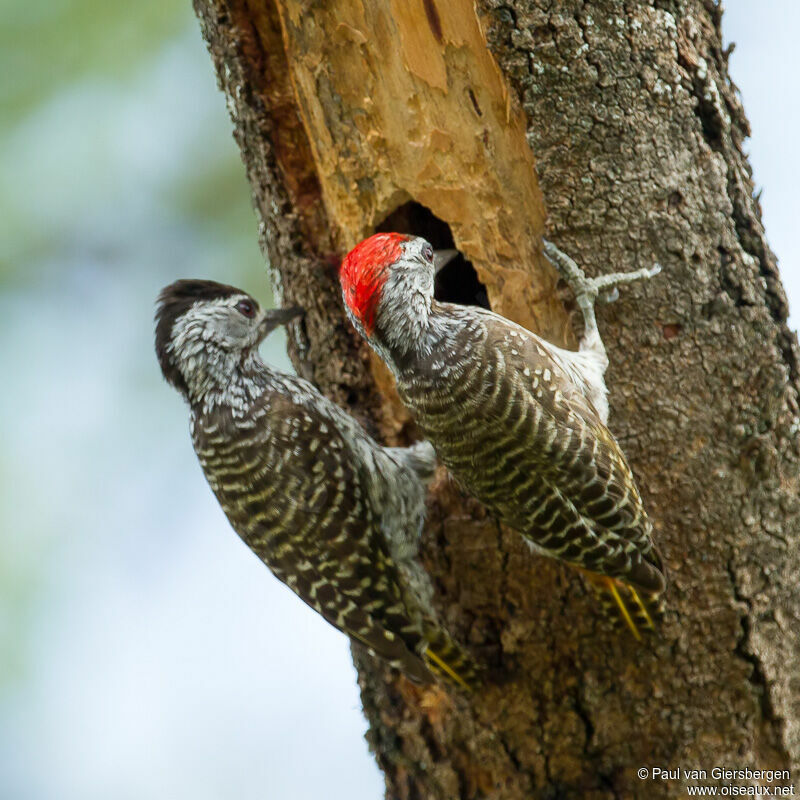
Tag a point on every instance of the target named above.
point(765, 66)
point(144, 651)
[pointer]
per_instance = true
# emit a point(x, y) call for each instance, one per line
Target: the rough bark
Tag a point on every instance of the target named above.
point(618, 118)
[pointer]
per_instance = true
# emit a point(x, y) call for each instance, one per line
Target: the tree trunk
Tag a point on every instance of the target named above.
point(453, 118)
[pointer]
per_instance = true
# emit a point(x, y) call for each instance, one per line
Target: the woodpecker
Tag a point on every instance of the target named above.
point(519, 422)
point(334, 515)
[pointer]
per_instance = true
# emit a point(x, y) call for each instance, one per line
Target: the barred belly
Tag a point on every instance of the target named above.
point(510, 453)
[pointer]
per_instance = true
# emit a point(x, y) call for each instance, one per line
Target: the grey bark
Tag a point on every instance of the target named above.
point(637, 133)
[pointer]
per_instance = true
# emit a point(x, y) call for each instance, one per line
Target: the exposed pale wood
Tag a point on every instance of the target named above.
point(403, 100)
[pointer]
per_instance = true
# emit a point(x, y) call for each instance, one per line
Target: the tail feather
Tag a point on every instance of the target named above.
point(448, 660)
point(640, 610)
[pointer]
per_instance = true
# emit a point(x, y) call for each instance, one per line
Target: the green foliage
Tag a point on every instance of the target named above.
point(47, 44)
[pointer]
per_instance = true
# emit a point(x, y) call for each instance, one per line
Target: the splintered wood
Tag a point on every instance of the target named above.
point(401, 100)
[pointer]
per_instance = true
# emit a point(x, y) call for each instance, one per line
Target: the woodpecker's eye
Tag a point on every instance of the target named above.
point(427, 252)
point(246, 308)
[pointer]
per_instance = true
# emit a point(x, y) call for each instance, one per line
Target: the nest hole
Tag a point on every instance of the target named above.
point(457, 281)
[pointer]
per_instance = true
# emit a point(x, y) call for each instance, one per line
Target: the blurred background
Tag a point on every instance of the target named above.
point(144, 652)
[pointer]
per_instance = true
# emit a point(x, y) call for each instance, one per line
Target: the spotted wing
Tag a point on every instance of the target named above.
point(585, 499)
point(307, 513)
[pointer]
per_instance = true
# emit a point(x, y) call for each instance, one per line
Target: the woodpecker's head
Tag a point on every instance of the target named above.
point(206, 331)
point(387, 286)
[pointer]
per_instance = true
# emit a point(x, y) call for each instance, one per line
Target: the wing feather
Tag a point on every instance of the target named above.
point(329, 548)
point(582, 464)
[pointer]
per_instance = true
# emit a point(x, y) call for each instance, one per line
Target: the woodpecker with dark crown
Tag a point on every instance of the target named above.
point(334, 515)
point(519, 422)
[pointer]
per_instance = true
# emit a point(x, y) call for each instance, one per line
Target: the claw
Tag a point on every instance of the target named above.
point(566, 267)
point(590, 288)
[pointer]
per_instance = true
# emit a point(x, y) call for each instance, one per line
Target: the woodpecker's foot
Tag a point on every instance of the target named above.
point(587, 290)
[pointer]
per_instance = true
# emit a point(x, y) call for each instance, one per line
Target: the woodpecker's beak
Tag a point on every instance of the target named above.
point(441, 258)
point(278, 316)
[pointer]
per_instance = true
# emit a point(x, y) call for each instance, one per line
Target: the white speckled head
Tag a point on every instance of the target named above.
point(206, 330)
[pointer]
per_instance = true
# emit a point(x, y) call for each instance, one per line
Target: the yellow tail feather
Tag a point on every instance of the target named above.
point(612, 587)
point(450, 661)
point(643, 608)
point(638, 612)
point(445, 668)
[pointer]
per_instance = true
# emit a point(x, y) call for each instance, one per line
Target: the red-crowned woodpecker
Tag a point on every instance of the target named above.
point(519, 422)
